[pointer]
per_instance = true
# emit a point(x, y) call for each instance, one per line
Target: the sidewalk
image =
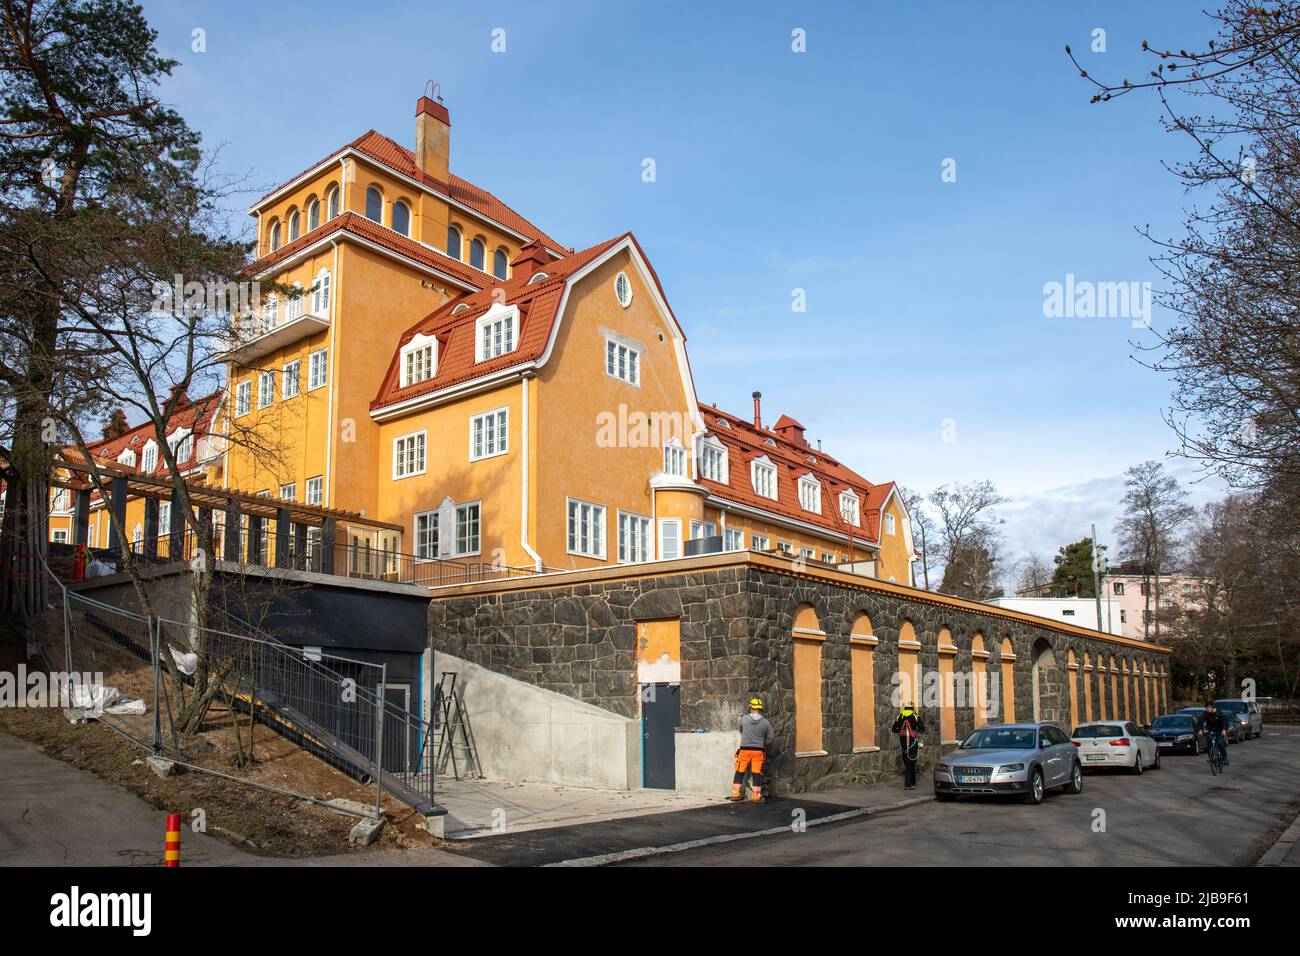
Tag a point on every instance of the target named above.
point(482, 808)
point(649, 832)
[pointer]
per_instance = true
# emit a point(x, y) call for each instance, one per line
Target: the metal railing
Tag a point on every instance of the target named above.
point(306, 552)
point(335, 708)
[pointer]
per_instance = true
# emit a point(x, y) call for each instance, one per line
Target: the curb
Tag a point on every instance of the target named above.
point(1281, 846)
point(621, 856)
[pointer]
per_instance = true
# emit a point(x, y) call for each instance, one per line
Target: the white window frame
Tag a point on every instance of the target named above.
point(422, 549)
point(313, 363)
point(184, 449)
point(623, 289)
point(810, 494)
point(733, 539)
point(712, 449)
point(675, 458)
point(851, 506)
point(295, 306)
point(760, 542)
point(676, 524)
point(265, 394)
point(59, 536)
point(763, 465)
point(638, 546)
point(891, 527)
point(243, 397)
point(575, 547)
point(622, 354)
point(320, 294)
point(314, 490)
point(291, 373)
point(502, 323)
point(498, 419)
point(399, 455)
point(420, 355)
point(127, 458)
point(460, 507)
point(292, 495)
point(148, 461)
point(703, 529)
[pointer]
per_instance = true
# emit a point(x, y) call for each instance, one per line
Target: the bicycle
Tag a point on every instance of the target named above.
point(1216, 746)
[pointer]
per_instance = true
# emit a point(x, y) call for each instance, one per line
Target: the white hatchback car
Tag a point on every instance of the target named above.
point(1116, 743)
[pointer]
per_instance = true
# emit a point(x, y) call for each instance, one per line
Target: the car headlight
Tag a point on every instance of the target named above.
point(941, 767)
point(1183, 737)
point(1011, 768)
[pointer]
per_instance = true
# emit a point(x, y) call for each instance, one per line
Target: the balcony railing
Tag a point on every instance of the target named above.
point(307, 552)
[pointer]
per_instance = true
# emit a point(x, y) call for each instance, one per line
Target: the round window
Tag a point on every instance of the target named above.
point(623, 289)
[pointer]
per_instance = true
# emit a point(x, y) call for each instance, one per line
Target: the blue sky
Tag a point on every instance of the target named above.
point(778, 171)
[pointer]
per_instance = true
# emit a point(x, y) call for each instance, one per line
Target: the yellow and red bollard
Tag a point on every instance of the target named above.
point(172, 845)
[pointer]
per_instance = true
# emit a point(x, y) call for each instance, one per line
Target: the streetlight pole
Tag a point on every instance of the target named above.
point(1098, 565)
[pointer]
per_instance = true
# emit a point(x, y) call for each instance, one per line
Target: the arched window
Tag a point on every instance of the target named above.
point(862, 676)
point(807, 637)
point(402, 218)
point(273, 234)
point(313, 214)
point(293, 225)
point(500, 263)
point(453, 242)
point(332, 202)
point(374, 204)
point(477, 253)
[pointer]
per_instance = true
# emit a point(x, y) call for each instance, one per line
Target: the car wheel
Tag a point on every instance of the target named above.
point(1156, 765)
point(1137, 762)
point(1075, 786)
point(1035, 794)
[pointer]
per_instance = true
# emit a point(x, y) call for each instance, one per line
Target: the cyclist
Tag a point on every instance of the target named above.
point(1214, 727)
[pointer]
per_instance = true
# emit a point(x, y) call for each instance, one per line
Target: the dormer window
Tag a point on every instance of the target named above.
point(149, 458)
point(850, 508)
point(769, 441)
point(419, 359)
point(463, 307)
point(127, 458)
point(762, 476)
point(320, 294)
point(810, 494)
point(496, 332)
point(712, 460)
point(537, 277)
point(675, 458)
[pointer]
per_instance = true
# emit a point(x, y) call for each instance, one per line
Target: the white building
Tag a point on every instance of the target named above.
point(1080, 611)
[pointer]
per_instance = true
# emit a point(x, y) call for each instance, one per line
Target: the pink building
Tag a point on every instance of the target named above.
point(1128, 598)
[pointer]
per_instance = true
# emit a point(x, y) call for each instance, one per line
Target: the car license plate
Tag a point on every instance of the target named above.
point(1094, 757)
point(974, 778)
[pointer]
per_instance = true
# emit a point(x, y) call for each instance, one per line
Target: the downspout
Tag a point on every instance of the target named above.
point(327, 499)
point(523, 482)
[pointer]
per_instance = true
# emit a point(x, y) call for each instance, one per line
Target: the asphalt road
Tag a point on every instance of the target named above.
point(1175, 816)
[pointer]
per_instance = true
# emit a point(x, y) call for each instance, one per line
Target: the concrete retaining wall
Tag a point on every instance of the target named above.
point(527, 734)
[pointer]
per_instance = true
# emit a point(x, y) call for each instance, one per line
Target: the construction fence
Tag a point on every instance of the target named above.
point(226, 703)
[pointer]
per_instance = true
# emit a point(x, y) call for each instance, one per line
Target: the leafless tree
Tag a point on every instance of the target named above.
point(922, 529)
point(1155, 511)
point(1033, 571)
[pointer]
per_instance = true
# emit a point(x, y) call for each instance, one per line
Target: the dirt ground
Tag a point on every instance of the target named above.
point(252, 818)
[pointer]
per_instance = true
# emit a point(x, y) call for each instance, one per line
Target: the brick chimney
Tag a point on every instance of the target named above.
point(532, 258)
point(758, 416)
point(790, 430)
point(433, 136)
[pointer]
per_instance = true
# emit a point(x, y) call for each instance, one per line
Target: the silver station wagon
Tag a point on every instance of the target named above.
point(1024, 759)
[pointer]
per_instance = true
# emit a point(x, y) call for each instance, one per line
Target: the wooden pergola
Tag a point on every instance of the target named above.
point(291, 519)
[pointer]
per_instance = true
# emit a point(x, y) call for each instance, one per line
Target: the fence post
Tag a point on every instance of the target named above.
point(67, 635)
point(381, 691)
point(155, 651)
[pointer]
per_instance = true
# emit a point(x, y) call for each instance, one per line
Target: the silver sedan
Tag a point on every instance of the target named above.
point(1025, 759)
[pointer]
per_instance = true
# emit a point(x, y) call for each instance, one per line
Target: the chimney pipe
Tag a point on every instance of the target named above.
point(432, 135)
point(758, 417)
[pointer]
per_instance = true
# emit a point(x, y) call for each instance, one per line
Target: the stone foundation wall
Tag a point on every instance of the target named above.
point(579, 639)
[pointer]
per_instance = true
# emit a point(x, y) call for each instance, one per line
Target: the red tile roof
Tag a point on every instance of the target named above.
point(453, 327)
point(372, 231)
point(398, 158)
point(195, 415)
point(744, 443)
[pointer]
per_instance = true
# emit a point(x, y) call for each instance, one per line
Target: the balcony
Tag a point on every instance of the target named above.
point(253, 342)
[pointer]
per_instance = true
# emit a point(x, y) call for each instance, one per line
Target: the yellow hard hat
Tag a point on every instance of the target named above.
point(755, 704)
